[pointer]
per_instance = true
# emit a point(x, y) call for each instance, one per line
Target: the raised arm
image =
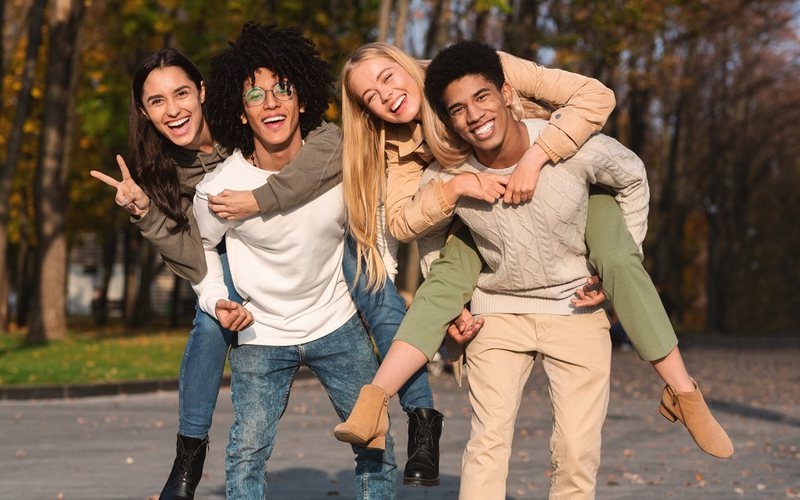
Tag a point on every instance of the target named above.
point(315, 169)
point(181, 251)
point(582, 107)
point(582, 104)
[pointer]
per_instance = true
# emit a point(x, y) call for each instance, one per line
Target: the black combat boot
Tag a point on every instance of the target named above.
point(186, 470)
point(424, 431)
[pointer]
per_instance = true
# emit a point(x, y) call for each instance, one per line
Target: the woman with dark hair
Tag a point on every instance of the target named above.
point(172, 148)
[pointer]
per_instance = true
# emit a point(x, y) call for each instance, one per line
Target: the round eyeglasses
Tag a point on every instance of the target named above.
point(255, 96)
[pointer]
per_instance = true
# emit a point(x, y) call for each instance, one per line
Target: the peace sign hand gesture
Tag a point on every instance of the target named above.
point(129, 195)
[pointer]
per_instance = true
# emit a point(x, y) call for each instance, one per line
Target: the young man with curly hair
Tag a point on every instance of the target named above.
point(536, 258)
point(266, 91)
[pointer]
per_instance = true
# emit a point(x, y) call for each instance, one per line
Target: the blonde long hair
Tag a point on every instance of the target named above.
point(364, 155)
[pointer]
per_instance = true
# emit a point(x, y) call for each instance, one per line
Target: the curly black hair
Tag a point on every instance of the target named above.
point(285, 52)
point(455, 62)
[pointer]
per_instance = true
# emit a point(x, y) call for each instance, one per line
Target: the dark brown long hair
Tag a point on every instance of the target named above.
point(153, 168)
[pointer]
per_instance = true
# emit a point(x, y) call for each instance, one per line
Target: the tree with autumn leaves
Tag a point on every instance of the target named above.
point(707, 94)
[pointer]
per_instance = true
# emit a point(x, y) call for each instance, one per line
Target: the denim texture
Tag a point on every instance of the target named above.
point(343, 361)
point(207, 348)
point(383, 311)
point(202, 366)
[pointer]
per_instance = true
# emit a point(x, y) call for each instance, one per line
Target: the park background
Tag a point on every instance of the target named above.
point(708, 94)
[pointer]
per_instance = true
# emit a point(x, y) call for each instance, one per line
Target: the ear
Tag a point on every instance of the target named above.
point(302, 107)
point(243, 118)
point(202, 92)
point(144, 113)
point(508, 94)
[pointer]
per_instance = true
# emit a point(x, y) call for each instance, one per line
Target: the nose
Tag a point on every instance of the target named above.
point(173, 109)
point(474, 114)
point(270, 101)
point(385, 93)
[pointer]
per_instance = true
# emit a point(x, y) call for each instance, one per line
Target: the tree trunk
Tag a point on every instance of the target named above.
point(15, 140)
point(383, 20)
point(51, 193)
point(133, 244)
point(402, 20)
point(100, 304)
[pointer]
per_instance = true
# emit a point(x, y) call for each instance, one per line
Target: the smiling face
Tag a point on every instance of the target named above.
point(479, 113)
point(174, 105)
point(385, 89)
point(275, 123)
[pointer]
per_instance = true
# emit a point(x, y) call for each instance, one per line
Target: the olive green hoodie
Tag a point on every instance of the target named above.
point(315, 169)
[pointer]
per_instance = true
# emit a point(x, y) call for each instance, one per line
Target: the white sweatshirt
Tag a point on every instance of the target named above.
point(289, 265)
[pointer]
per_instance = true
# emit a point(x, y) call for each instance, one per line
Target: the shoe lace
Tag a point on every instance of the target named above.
point(424, 437)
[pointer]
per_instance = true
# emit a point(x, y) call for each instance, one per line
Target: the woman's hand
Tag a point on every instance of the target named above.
point(591, 294)
point(129, 195)
point(525, 176)
point(484, 186)
point(464, 327)
point(233, 316)
point(234, 205)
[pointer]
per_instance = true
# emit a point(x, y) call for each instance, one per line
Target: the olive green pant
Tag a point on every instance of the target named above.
point(612, 251)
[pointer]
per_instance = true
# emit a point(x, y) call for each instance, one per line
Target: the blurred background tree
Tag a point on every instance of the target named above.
point(707, 94)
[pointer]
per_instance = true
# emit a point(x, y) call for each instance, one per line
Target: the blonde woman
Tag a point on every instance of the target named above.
point(391, 134)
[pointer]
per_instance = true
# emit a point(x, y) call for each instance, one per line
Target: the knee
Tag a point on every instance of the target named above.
point(616, 262)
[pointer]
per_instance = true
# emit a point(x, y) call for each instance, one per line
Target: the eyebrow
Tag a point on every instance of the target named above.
point(476, 94)
point(384, 70)
point(156, 96)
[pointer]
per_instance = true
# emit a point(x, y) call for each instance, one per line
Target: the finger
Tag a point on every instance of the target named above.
point(516, 197)
point(452, 331)
point(123, 168)
point(104, 178)
point(503, 179)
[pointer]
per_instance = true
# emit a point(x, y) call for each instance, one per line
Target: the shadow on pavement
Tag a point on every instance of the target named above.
point(752, 412)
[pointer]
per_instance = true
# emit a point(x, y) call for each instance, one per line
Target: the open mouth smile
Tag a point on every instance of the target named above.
point(484, 130)
point(397, 103)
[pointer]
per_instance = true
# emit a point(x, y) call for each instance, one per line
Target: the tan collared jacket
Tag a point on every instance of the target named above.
point(582, 107)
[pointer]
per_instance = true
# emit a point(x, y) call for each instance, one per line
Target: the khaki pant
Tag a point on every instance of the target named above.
point(576, 352)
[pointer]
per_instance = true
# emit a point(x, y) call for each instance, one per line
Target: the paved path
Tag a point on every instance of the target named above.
point(121, 447)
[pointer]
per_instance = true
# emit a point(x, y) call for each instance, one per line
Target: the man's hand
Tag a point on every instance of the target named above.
point(234, 205)
point(233, 316)
point(525, 176)
point(129, 195)
point(464, 327)
point(591, 294)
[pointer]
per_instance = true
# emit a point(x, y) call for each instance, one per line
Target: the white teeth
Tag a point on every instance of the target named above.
point(398, 102)
point(485, 129)
point(178, 123)
point(273, 119)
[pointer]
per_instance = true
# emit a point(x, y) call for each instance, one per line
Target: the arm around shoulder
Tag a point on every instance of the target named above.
point(315, 169)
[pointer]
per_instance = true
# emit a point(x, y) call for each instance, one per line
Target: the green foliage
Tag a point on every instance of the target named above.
point(87, 358)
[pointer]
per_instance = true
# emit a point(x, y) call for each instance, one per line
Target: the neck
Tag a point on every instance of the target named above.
point(514, 145)
point(274, 157)
point(203, 141)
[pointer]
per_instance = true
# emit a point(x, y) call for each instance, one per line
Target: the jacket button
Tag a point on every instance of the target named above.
point(558, 116)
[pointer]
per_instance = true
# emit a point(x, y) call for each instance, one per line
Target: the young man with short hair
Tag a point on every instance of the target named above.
point(266, 91)
point(536, 260)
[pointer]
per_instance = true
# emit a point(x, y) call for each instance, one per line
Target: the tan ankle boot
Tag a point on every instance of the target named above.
point(368, 423)
point(691, 409)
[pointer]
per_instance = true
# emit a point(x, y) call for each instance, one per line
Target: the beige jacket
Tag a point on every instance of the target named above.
point(582, 106)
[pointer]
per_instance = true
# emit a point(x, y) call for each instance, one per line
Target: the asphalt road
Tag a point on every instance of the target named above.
point(121, 447)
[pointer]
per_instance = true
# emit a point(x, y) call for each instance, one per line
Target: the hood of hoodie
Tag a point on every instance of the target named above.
point(192, 165)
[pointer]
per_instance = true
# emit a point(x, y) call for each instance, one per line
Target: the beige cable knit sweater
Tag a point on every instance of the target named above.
point(535, 252)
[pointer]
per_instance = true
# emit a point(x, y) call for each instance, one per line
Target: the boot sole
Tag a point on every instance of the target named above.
point(408, 481)
point(377, 443)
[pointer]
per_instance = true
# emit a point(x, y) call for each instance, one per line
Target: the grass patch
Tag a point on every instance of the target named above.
point(92, 356)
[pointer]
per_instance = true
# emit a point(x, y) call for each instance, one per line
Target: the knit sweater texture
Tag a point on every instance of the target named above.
point(535, 252)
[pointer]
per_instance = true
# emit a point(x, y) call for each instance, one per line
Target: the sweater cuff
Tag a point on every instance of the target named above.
point(267, 202)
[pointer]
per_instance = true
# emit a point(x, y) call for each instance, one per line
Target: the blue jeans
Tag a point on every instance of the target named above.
point(207, 348)
point(343, 361)
point(383, 310)
point(202, 366)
